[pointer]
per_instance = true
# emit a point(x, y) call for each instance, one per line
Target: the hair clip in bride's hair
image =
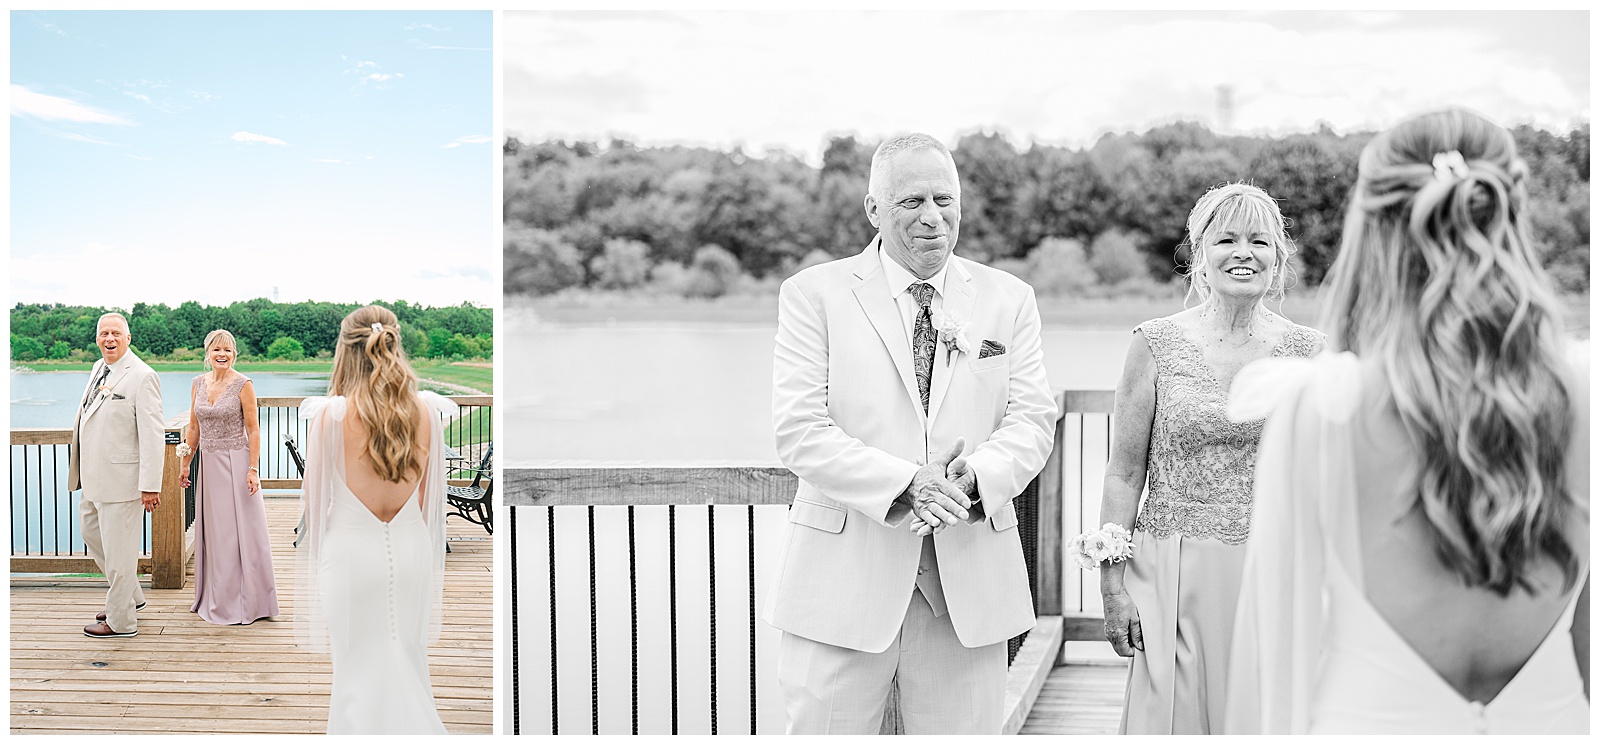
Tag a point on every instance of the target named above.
point(377, 328)
point(1449, 167)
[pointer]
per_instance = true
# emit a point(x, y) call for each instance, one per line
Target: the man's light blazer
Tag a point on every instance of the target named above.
point(124, 426)
point(849, 422)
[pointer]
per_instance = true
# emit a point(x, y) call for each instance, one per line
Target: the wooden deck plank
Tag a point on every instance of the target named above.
point(1079, 699)
point(181, 674)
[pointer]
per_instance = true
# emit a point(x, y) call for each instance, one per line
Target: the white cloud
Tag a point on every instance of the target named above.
point(344, 274)
point(420, 44)
point(428, 26)
point(468, 140)
point(25, 102)
point(77, 137)
point(203, 96)
point(138, 157)
point(382, 77)
point(253, 137)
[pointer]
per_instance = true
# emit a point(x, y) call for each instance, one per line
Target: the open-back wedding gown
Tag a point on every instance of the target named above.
point(377, 585)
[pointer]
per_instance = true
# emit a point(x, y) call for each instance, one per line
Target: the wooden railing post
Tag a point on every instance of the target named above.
point(1049, 528)
point(168, 549)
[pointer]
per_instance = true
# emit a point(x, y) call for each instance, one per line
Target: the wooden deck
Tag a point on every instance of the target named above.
point(183, 675)
point(1079, 699)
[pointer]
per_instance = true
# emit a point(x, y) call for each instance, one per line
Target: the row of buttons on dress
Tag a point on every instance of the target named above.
point(388, 554)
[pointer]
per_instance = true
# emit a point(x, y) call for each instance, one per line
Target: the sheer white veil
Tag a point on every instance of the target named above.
point(324, 455)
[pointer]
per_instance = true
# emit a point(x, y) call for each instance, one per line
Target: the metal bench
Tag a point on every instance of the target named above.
point(475, 503)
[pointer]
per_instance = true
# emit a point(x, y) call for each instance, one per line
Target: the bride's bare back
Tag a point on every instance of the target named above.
point(1474, 639)
point(384, 499)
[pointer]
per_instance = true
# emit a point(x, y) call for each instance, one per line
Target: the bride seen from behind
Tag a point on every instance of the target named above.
point(371, 567)
point(1419, 559)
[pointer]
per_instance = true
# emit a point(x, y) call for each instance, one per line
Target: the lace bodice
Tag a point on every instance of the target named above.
point(1201, 464)
point(222, 423)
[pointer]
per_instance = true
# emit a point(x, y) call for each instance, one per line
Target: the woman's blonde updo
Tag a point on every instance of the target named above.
point(1247, 206)
point(205, 351)
point(1436, 279)
point(370, 370)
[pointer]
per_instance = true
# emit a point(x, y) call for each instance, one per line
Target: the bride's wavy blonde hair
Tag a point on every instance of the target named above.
point(370, 369)
point(1437, 280)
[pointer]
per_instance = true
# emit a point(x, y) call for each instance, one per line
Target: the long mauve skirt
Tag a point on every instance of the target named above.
point(233, 580)
point(1186, 591)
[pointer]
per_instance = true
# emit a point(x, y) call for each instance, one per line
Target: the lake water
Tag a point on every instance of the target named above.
point(39, 475)
point(700, 392)
point(639, 391)
point(48, 399)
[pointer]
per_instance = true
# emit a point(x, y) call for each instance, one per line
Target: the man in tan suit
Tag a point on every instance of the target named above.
point(117, 455)
point(910, 397)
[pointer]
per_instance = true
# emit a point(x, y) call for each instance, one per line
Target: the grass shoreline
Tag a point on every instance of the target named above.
point(607, 309)
point(457, 377)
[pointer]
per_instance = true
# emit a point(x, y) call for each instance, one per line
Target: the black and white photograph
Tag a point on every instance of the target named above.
point(1044, 372)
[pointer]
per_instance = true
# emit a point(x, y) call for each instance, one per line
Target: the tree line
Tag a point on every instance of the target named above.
point(263, 328)
point(1106, 219)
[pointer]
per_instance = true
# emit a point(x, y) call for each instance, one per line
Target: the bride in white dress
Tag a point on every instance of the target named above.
point(1419, 556)
point(371, 563)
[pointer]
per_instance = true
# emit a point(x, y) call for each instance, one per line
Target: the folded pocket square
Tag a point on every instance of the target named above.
point(991, 349)
point(117, 396)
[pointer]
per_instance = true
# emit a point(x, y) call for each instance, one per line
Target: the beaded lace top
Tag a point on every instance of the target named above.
point(222, 423)
point(1201, 465)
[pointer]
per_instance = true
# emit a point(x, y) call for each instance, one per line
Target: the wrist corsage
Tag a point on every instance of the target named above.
point(1110, 542)
point(183, 450)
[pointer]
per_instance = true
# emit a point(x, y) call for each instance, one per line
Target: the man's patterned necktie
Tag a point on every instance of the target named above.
point(106, 372)
point(923, 340)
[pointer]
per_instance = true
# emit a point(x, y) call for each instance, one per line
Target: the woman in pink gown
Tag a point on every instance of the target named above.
point(233, 580)
point(1170, 606)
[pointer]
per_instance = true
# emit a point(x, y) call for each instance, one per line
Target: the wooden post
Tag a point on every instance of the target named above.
point(168, 545)
point(1049, 529)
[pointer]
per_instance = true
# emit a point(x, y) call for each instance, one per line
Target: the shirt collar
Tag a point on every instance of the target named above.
point(120, 363)
point(900, 278)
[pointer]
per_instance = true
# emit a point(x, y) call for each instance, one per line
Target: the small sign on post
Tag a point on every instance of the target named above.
point(174, 438)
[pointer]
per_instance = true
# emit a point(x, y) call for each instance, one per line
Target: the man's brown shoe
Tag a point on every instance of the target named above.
point(101, 616)
point(102, 631)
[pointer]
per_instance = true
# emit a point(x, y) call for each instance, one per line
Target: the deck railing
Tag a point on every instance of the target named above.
point(698, 541)
point(44, 512)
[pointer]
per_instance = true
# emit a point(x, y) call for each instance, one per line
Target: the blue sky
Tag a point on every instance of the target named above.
point(163, 156)
point(790, 79)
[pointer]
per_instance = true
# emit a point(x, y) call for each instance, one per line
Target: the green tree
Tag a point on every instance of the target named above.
point(59, 350)
point(438, 342)
point(414, 339)
point(26, 348)
point(286, 348)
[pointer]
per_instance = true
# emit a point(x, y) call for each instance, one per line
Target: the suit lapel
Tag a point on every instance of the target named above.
point(111, 385)
point(958, 300)
point(873, 294)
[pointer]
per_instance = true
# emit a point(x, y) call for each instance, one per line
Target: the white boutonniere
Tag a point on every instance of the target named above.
point(103, 391)
point(953, 332)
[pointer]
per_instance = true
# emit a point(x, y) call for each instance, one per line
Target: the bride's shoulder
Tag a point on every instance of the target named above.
point(1331, 379)
point(438, 404)
point(313, 407)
